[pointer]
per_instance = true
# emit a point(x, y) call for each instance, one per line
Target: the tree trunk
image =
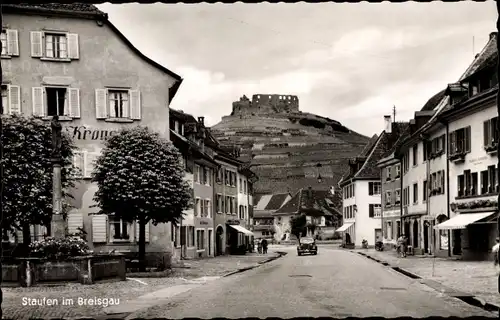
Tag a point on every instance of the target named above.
point(26, 234)
point(142, 245)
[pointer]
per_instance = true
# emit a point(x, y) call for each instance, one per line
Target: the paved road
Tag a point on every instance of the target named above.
point(335, 283)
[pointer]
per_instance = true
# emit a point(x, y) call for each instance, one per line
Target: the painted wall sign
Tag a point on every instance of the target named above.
point(84, 133)
point(478, 160)
point(205, 223)
point(233, 222)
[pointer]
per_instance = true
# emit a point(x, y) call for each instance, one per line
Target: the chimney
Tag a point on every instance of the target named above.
point(201, 120)
point(387, 124)
point(493, 35)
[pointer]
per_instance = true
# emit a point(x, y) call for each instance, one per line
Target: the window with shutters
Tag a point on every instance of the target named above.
point(119, 229)
point(460, 141)
point(374, 210)
point(119, 106)
point(56, 101)
point(244, 186)
point(207, 208)
point(3, 39)
point(200, 239)
point(207, 173)
point(10, 43)
point(191, 237)
point(5, 99)
point(220, 176)
point(397, 169)
point(197, 173)
point(241, 185)
point(374, 188)
point(415, 155)
point(490, 134)
point(397, 196)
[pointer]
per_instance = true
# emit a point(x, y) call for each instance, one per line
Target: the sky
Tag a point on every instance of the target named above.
point(348, 62)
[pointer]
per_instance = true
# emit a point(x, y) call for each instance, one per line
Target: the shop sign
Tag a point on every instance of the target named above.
point(85, 133)
point(233, 222)
point(204, 223)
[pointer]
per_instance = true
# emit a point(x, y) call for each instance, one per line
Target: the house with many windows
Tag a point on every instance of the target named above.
point(361, 185)
point(390, 174)
point(264, 224)
point(70, 60)
point(194, 236)
point(457, 132)
point(471, 121)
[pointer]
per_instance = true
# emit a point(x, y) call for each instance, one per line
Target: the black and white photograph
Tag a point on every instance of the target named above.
point(213, 160)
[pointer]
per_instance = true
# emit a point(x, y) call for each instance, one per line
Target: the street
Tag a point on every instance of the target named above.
point(335, 283)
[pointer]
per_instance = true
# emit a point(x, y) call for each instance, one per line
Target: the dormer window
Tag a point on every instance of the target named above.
point(176, 127)
point(473, 89)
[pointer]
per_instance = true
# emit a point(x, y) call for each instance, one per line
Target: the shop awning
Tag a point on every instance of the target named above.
point(241, 229)
point(344, 227)
point(462, 220)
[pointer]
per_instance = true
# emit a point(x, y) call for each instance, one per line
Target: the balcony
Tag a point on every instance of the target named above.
point(492, 148)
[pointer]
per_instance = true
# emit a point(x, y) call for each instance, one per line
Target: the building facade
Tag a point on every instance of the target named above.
point(74, 63)
point(264, 224)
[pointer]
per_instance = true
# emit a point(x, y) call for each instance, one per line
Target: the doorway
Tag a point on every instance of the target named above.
point(378, 235)
point(457, 242)
point(219, 242)
point(415, 234)
point(210, 239)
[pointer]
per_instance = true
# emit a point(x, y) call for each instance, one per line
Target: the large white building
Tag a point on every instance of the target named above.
point(361, 189)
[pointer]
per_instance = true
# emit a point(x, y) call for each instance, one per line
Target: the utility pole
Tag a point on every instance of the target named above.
point(394, 114)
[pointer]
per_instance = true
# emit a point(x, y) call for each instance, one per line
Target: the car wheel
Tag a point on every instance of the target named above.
point(316, 253)
point(299, 254)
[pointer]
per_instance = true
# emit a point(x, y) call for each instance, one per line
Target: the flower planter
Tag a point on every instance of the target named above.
point(459, 157)
point(28, 272)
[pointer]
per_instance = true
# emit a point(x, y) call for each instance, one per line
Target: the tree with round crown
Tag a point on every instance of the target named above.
point(140, 176)
point(27, 173)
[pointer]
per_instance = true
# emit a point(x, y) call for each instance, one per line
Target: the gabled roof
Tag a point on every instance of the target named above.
point(361, 157)
point(434, 101)
point(89, 11)
point(488, 55)
point(369, 168)
point(311, 202)
point(402, 131)
point(270, 202)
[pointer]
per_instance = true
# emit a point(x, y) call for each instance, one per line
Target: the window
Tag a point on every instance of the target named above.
point(245, 187)
point(398, 196)
point(388, 173)
point(118, 103)
point(120, 229)
point(197, 173)
point(397, 169)
point(220, 176)
point(3, 39)
point(197, 207)
point(460, 141)
point(56, 102)
point(424, 191)
point(227, 180)
point(374, 188)
point(389, 231)
point(405, 197)
point(206, 212)
point(492, 179)
point(241, 185)
point(200, 239)
point(415, 155)
point(490, 132)
point(56, 45)
point(241, 212)
point(5, 98)
point(406, 162)
point(388, 198)
point(206, 176)
point(415, 193)
point(436, 147)
point(437, 183)
point(219, 203)
point(375, 210)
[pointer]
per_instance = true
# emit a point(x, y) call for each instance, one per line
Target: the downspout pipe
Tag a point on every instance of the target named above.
point(401, 197)
point(425, 141)
point(448, 183)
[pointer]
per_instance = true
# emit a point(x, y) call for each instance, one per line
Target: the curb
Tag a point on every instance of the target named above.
point(469, 299)
point(280, 254)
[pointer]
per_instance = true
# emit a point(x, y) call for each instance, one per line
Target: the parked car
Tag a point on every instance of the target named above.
point(307, 245)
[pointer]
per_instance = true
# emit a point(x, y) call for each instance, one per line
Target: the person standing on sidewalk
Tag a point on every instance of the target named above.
point(496, 251)
point(264, 246)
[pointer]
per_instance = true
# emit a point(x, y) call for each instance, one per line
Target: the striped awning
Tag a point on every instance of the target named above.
point(461, 221)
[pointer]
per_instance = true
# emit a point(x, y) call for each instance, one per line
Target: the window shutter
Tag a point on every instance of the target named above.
point(371, 211)
point(78, 162)
point(38, 103)
point(99, 228)
point(467, 139)
point(73, 48)
point(75, 221)
point(100, 104)
point(135, 104)
point(36, 44)
point(453, 138)
point(12, 43)
point(370, 188)
point(89, 160)
point(14, 99)
point(137, 230)
point(486, 131)
point(74, 102)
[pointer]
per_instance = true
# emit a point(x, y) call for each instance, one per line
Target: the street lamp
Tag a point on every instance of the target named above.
point(58, 229)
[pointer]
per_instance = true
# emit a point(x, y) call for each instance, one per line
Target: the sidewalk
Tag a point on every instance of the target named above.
point(15, 300)
point(478, 278)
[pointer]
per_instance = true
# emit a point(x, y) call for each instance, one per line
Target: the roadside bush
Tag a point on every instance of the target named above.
point(59, 249)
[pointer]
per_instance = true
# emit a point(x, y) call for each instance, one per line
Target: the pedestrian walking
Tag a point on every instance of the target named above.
point(259, 246)
point(400, 245)
point(496, 260)
point(264, 246)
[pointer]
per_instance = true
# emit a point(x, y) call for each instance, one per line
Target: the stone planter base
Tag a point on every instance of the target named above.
point(28, 272)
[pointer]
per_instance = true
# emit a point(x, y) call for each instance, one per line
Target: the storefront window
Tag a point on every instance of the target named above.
point(443, 240)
